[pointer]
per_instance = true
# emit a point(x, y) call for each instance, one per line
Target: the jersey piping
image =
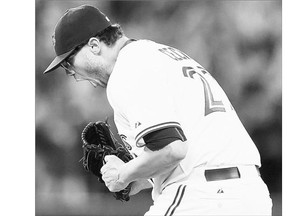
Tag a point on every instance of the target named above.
point(154, 128)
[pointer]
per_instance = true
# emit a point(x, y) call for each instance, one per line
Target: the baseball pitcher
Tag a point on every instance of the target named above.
point(181, 134)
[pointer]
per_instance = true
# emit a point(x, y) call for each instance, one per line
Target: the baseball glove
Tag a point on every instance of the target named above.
point(99, 141)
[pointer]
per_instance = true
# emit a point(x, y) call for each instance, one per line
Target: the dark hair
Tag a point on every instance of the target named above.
point(111, 34)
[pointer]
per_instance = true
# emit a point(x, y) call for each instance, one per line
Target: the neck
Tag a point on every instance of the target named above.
point(120, 43)
point(117, 47)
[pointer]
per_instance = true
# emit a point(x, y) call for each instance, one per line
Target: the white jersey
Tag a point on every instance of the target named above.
point(154, 86)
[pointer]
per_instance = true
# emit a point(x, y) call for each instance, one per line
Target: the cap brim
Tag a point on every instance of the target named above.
point(56, 62)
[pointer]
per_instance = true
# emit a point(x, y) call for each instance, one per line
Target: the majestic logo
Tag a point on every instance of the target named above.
point(220, 191)
point(137, 124)
point(126, 144)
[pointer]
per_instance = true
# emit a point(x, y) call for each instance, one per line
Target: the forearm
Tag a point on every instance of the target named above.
point(153, 163)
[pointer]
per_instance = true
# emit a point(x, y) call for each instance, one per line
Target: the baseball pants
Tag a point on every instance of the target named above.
point(246, 194)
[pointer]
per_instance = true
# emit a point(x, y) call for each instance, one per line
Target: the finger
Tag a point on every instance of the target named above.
point(108, 185)
point(108, 158)
point(104, 169)
point(107, 180)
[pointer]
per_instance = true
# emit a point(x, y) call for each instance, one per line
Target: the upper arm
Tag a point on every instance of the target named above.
point(158, 139)
point(178, 150)
point(171, 153)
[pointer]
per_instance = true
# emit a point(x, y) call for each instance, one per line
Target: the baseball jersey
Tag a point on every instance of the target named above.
point(154, 86)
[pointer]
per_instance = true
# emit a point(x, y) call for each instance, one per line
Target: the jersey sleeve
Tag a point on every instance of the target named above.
point(148, 104)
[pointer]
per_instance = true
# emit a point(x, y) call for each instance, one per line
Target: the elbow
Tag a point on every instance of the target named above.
point(177, 151)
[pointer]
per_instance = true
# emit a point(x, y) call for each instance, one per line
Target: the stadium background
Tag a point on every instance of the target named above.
point(240, 44)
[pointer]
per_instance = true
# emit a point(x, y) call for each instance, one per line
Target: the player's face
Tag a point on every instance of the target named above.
point(84, 65)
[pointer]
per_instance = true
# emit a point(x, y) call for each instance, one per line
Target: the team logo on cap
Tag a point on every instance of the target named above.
point(53, 40)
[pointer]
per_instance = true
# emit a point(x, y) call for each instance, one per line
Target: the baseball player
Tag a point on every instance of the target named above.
point(188, 142)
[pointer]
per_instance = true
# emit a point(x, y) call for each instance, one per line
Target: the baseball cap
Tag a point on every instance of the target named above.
point(75, 27)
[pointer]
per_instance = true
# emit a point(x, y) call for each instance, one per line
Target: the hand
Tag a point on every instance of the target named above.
point(111, 173)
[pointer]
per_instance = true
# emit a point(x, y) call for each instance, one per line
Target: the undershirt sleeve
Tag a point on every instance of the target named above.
point(157, 140)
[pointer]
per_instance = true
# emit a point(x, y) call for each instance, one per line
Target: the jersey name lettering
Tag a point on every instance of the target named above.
point(174, 53)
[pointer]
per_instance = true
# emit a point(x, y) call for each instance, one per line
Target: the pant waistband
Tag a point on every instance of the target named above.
point(230, 172)
point(223, 173)
point(210, 174)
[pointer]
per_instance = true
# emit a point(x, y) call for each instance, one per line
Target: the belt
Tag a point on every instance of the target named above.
point(224, 173)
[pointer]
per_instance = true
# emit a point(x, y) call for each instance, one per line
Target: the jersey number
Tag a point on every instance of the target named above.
point(211, 105)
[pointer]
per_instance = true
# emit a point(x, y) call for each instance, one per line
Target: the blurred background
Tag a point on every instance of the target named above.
point(238, 42)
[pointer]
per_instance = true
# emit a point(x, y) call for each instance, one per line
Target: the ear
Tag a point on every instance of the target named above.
point(94, 45)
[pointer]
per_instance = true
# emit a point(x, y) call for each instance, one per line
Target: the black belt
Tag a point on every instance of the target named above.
point(224, 173)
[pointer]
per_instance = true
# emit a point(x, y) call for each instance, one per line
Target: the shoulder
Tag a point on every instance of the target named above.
point(134, 70)
point(135, 59)
point(139, 52)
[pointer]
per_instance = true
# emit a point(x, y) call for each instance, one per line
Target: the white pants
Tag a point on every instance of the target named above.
point(247, 195)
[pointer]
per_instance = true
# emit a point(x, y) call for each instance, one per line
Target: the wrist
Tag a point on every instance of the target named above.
point(124, 175)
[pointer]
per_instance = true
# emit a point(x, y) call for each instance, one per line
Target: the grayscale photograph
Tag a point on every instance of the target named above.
point(158, 108)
